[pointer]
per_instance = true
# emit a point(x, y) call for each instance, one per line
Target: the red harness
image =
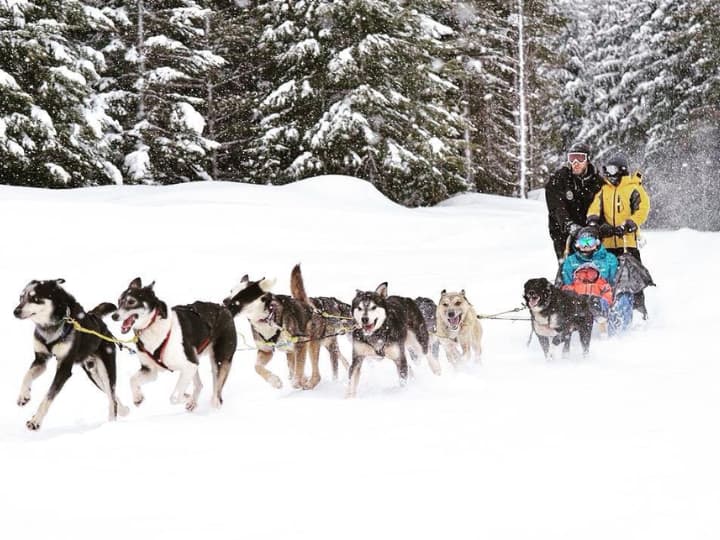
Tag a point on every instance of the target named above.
point(157, 355)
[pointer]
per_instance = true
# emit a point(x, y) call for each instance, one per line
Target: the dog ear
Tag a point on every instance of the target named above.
point(162, 308)
point(382, 289)
point(443, 292)
point(59, 281)
point(135, 283)
point(245, 279)
point(152, 284)
point(463, 292)
point(266, 285)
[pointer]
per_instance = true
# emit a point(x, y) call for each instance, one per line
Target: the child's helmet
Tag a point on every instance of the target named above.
point(587, 239)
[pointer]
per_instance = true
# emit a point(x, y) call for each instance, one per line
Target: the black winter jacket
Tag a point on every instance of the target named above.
point(568, 198)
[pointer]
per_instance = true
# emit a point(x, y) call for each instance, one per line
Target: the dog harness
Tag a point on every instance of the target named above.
point(67, 328)
point(157, 355)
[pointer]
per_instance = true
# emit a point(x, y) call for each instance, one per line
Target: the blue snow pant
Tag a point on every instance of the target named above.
point(620, 313)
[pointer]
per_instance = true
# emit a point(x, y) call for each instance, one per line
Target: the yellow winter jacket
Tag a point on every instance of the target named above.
point(615, 204)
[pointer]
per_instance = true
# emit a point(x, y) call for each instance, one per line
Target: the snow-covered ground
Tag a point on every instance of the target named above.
point(623, 444)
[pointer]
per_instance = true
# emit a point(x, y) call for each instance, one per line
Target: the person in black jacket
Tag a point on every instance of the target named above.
point(569, 193)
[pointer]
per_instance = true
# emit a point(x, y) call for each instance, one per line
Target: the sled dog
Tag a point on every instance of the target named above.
point(458, 326)
point(338, 319)
point(556, 314)
point(50, 307)
point(428, 308)
point(384, 326)
point(291, 324)
point(173, 339)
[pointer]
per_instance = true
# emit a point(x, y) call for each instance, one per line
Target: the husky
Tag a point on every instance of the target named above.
point(458, 325)
point(556, 314)
point(50, 307)
point(173, 339)
point(245, 293)
point(294, 325)
point(428, 308)
point(385, 325)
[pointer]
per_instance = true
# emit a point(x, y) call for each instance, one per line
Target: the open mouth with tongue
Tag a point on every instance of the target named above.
point(533, 300)
point(127, 324)
point(369, 327)
point(454, 320)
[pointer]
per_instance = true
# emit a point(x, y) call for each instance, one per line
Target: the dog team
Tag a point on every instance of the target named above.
point(173, 338)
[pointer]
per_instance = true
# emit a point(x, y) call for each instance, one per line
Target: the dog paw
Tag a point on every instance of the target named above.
point(310, 384)
point(122, 410)
point(275, 382)
point(32, 424)
point(137, 400)
point(216, 402)
point(435, 367)
point(190, 405)
point(23, 399)
point(350, 394)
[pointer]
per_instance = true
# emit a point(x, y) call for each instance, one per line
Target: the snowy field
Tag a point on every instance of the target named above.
point(622, 445)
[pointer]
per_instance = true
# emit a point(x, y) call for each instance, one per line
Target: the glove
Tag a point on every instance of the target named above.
point(572, 228)
point(605, 230)
point(619, 231)
point(593, 221)
point(630, 226)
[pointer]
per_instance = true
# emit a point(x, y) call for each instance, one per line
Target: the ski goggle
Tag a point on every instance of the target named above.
point(586, 242)
point(612, 170)
point(577, 157)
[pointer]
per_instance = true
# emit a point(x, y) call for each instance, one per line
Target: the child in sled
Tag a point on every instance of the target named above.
point(591, 270)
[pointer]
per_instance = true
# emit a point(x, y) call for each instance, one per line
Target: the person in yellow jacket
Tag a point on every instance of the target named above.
point(618, 210)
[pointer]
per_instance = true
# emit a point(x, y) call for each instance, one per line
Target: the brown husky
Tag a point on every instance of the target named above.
point(458, 325)
point(294, 325)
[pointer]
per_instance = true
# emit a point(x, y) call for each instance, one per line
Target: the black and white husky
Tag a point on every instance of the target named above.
point(173, 339)
point(50, 307)
point(384, 326)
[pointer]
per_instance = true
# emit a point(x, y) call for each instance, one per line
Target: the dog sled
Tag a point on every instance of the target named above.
point(630, 279)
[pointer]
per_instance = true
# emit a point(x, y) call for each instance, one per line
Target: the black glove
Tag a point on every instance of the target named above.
point(593, 221)
point(619, 231)
point(630, 226)
point(572, 228)
point(605, 230)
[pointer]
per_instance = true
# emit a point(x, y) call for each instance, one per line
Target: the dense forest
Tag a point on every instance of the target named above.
point(425, 99)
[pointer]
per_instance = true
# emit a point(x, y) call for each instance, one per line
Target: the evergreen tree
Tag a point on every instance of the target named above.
point(159, 70)
point(354, 93)
point(53, 128)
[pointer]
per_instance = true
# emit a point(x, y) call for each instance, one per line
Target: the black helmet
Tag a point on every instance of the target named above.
point(581, 147)
point(616, 168)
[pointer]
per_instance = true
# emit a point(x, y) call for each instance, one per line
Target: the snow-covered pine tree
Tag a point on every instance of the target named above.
point(232, 87)
point(159, 68)
point(53, 129)
point(481, 68)
point(354, 93)
point(542, 19)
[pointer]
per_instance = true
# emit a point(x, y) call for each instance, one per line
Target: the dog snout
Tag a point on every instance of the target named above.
point(115, 316)
point(365, 320)
point(451, 313)
point(17, 311)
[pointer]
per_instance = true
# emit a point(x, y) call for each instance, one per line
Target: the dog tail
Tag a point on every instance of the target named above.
point(297, 286)
point(101, 310)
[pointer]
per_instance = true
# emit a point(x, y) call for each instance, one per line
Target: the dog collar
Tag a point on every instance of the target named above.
point(66, 329)
point(148, 325)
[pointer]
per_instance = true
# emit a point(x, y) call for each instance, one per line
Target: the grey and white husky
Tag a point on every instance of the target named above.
point(173, 339)
point(385, 326)
point(51, 308)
